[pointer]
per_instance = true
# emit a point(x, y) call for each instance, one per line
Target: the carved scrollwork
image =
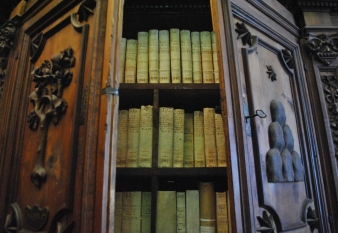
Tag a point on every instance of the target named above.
point(288, 58)
point(309, 214)
point(85, 9)
point(323, 46)
point(48, 105)
point(14, 221)
point(37, 45)
point(266, 222)
point(271, 73)
point(243, 33)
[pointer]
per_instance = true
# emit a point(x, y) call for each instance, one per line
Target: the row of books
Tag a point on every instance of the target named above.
point(169, 56)
point(184, 139)
point(192, 211)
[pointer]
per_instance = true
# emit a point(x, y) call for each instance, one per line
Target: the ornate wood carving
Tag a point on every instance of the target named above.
point(288, 58)
point(48, 104)
point(267, 224)
point(271, 73)
point(37, 45)
point(85, 9)
point(323, 46)
point(309, 214)
point(243, 33)
point(36, 217)
point(14, 221)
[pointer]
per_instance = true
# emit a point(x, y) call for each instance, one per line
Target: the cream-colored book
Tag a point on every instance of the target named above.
point(207, 207)
point(180, 214)
point(122, 138)
point(175, 55)
point(164, 56)
point(222, 212)
point(210, 137)
point(196, 57)
point(192, 211)
point(146, 213)
point(146, 136)
point(118, 213)
point(122, 59)
point(131, 212)
point(199, 157)
point(186, 59)
point(166, 212)
point(220, 141)
point(133, 137)
point(165, 137)
point(131, 61)
point(188, 140)
point(206, 55)
point(178, 153)
point(153, 56)
point(215, 57)
point(142, 57)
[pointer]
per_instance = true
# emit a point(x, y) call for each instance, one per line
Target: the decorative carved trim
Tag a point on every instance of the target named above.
point(288, 58)
point(267, 224)
point(85, 9)
point(48, 104)
point(309, 214)
point(59, 223)
point(14, 221)
point(244, 34)
point(37, 46)
point(36, 217)
point(323, 46)
point(272, 74)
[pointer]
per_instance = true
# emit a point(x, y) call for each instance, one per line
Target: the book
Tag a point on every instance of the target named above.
point(196, 57)
point(206, 55)
point(123, 46)
point(186, 59)
point(165, 137)
point(178, 153)
point(209, 137)
point(118, 213)
point(215, 57)
point(131, 212)
point(142, 57)
point(220, 141)
point(207, 207)
point(146, 213)
point(153, 56)
point(131, 61)
point(164, 56)
point(146, 137)
point(192, 211)
point(133, 137)
point(199, 158)
point(166, 212)
point(175, 55)
point(122, 138)
point(180, 212)
point(221, 212)
point(188, 140)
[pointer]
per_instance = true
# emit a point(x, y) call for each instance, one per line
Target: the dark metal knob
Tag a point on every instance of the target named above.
point(260, 113)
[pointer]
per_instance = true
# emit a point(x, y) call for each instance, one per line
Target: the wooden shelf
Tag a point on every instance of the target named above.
point(170, 86)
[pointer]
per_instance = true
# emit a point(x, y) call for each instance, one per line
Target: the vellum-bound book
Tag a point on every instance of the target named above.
point(206, 54)
point(207, 207)
point(164, 56)
point(146, 137)
point(122, 138)
point(153, 56)
point(186, 59)
point(180, 214)
point(220, 141)
point(192, 211)
point(175, 55)
point(196, 57)
point(142, 57)
point(131, 212)
point(210, 137)
point(178, 153)
point(131, 61)
point(133, 137)
point(222, 212)
point(199, 158)
point(215, 57)
point(166, 212)
point(146, 213)
point(122, 59)
point(165, 137)
point(118, 213)
point(188, 140)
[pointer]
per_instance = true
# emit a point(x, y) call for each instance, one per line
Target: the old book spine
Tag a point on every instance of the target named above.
point(215, 57)
point(199, 157)
point(207, 208)
point(178, 153)
point(131, 61)
point(146, 213)
point(188, 140)
point(131, 212)
point(133, 137)
point(122, 59)
point(122, 138)
point(196, 57)
point(175, 55)
point(153, 56)
point(186, 59)
point(165, 137)
point(142, 57)
point(222, 212)
point(118, 213)
point(164, 56)
point(210, 137)
point(180, 214)
point(206, 54)
point(146, 136)
point(166, 212)
point(220, 141)
point(192, 211)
